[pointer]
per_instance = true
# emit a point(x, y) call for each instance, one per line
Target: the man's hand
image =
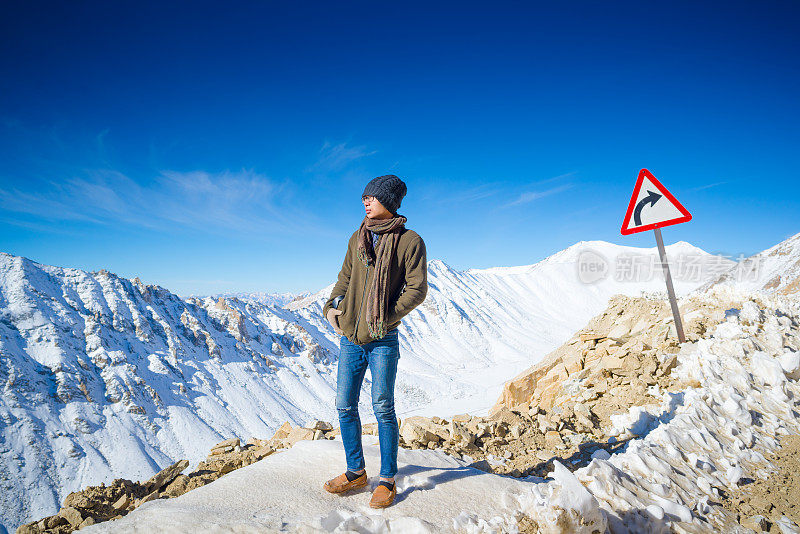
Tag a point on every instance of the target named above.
point(332, 317)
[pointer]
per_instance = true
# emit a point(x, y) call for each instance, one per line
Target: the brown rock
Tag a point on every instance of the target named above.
point(177, 487)
point(227, 467)
point(283, 431)
point(553, 440)
point(147, 498)
point(165, 476)
point(299, 434)
point(668, 365)
point(460, 433)
point(221, 450)
point(77, 499)
point(418, 429)
point(54, 521)
point(544, 455)
point(483, 465)
point(89, 521)
point(320, 425)
point(29, 528)
point(72, 515)
point(263, 452)
point(758, 523)
point(582, 409)
point(549, 395)
point(233, 442)
point(123, 502)
point(611, 362)
point(573, 365)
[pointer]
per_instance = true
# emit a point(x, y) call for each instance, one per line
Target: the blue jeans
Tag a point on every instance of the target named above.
point(381, 356)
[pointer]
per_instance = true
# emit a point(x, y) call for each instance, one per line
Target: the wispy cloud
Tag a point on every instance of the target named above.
point(242, 202)
point(530, 196)
point(553, 178)
point(471, 194)
point(335, 157)
point(707, 186)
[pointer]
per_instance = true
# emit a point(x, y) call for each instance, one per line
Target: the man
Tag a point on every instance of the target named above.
point(382, 257)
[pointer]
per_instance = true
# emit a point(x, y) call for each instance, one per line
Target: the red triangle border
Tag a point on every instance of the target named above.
point(632, 204)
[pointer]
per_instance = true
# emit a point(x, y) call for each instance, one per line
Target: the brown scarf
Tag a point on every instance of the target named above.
point(377, 295)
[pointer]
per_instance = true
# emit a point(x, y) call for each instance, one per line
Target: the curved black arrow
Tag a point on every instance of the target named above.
point(652, 198)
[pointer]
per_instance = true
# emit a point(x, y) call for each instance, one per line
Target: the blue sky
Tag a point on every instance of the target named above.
point(212, 148)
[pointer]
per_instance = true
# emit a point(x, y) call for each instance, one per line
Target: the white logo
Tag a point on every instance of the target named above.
point(592, 267)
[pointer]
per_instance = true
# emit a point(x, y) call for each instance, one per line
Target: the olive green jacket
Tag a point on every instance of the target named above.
point(409, 266)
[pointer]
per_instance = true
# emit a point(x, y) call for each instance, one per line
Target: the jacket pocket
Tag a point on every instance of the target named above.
point(346, 319)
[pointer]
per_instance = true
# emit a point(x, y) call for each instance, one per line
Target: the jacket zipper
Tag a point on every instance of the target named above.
point(363, 293)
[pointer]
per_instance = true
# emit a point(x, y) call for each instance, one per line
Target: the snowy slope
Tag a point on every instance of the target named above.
point(697, 442)
point(775, 269)
point(270, 299)
point(106, 377)
point(479, 327)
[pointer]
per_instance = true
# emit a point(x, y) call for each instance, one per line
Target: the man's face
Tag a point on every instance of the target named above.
point(375, 209)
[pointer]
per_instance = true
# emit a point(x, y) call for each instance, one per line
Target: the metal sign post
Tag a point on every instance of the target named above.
point(648, 193)
point(673, 302)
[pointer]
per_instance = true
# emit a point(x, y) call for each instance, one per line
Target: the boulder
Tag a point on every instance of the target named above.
point(483, 465)
point(29, 528)
point(263, 452)
point(320, 425)
point(123, 502)
point(460, 433)
point(221, 450)
point(149, 497)
point(298, 434)
point(417, 429)
point(283, 431)
point(552, 440)
point(177, 487)
point(233, 442)
point(165, 476)
point(72, 515)
point(54, 521)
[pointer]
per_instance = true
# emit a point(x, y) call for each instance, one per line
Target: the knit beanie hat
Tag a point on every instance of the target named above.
point(388, 189)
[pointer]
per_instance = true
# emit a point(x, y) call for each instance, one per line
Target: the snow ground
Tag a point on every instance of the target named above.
point(284, 491)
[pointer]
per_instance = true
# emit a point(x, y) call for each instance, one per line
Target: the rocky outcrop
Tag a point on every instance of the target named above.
point(561, 408)
point(631, 346)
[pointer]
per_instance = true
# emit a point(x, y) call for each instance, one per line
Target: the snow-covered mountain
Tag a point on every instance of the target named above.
point(775, 269)
point(105, 377)
point(270, 299)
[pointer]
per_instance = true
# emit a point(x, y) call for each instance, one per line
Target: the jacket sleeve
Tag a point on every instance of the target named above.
point(343, 281)
point(416, 282)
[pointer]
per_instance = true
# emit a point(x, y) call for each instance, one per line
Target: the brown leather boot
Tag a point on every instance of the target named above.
point(340, 483)
point(382, 496)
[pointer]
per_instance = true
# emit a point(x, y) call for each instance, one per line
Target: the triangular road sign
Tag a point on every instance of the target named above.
point(652, 206)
